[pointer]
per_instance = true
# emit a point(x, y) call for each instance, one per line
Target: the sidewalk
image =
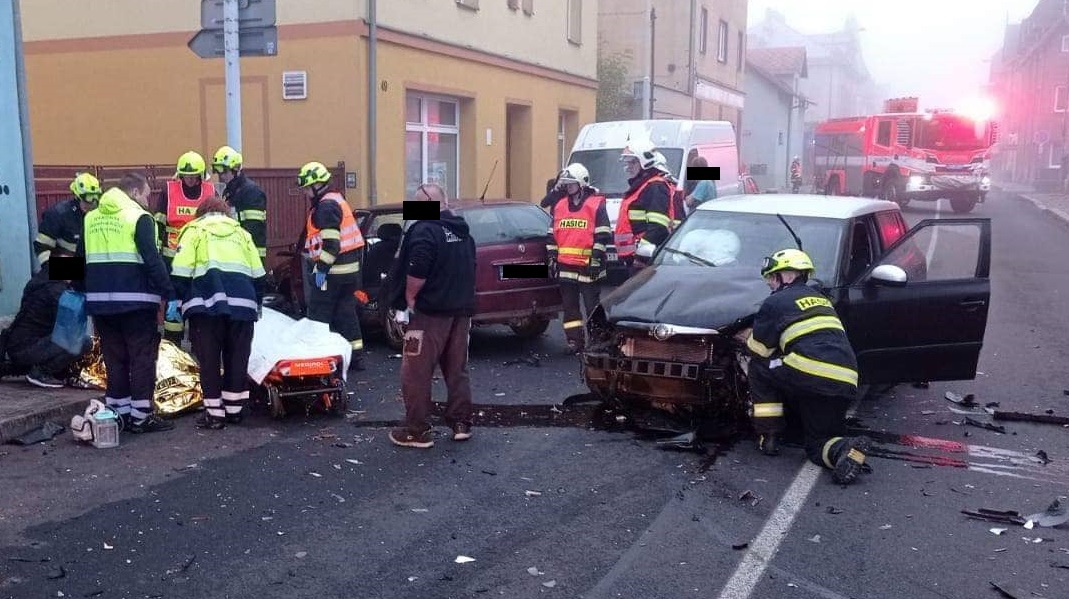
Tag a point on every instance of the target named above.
point(24, 407)
point(1055, 204)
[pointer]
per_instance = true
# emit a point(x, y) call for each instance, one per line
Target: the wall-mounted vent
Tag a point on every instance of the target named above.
point(294, 85)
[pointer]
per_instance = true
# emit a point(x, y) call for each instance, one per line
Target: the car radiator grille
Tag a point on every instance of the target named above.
point(673, 350)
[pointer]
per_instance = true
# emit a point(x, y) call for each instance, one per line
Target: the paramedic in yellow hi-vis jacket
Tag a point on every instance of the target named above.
point(803, 368)
point(176, 206)
point(332, 240)
point(219, 280)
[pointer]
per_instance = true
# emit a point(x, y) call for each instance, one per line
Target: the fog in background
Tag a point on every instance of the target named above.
point(938, 50)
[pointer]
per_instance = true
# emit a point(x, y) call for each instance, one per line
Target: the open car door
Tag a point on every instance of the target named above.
point(920, 312)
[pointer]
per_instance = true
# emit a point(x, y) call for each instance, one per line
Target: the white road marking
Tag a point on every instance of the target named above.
point(759, 556)
point(935, 235)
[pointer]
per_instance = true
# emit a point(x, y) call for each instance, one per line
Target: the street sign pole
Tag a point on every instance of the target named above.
point(232, 56)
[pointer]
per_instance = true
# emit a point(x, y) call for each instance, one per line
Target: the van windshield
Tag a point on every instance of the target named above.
point(607, 172)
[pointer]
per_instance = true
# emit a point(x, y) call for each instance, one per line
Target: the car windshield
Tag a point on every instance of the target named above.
point(607, 172)
point(742, 240)
point(953, 133)
point(506, 223)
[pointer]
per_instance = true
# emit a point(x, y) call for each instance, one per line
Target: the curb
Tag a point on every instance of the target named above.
point(57, 409)
point(1059, 214)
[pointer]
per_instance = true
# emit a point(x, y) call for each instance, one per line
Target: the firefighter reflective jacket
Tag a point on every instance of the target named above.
point(217, 269)
point(250, 208)
point(175, 210)
point(123, 268)
point(644, 213)
point(799, 327)
point(578, 236)
point(332, 238)
point(60, 231)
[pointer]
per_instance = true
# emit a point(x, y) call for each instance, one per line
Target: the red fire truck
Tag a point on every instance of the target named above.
point(905, 155)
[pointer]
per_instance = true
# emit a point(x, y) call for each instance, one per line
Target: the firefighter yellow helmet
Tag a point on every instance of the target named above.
point(190, 164)
point(86, 187)
point(312, 173)
point(226, 159)
point(789, 259)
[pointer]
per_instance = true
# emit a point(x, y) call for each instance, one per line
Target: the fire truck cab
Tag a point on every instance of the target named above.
point(905, 155)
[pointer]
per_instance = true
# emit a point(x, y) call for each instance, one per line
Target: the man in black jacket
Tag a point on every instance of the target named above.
point(433, 287)
point(60, 231)
point(245, 197)
point(29, 339)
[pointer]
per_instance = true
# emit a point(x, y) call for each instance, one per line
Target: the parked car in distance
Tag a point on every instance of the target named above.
point(914, 304)
point(505, 232)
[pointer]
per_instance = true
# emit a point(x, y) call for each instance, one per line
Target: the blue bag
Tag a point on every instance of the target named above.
point(71, 331)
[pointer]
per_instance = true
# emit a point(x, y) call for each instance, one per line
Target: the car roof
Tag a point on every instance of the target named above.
point(820, 206)
point(464, 204)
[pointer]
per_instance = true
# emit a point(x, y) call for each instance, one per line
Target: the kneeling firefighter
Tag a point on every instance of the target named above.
point(803, 368)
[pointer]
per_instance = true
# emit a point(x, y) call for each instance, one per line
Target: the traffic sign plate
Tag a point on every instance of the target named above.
point(251, 13)
point(252, 41)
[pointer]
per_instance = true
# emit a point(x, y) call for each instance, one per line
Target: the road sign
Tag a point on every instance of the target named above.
point(253, 41)
point(251, 13)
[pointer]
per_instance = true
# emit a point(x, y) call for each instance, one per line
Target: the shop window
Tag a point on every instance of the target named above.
point(432, 148)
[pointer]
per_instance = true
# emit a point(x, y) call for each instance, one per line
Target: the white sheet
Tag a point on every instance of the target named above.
point(278, 337)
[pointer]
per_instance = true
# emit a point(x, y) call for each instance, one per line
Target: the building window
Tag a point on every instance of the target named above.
point(722, 43)
point(562, 138)
point(432, 148)
point(528, 7)
point(472, 4)
point(575, 21)
point(1065, 43)
point(742, 50)
point(1059, 98)
point(1054, 158)
point(703, 31)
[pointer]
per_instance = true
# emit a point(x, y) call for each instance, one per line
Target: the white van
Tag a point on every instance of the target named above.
point(599, 145)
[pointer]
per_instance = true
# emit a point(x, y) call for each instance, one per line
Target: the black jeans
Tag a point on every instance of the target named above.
point(339, 308)
point(46, 357)
point(222, 347)
point(571, 293)
point(130, 343)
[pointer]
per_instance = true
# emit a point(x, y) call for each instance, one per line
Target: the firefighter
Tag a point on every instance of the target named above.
point(644, 212)
point(62, 224)
point(333, 243)
point(219, 280)
point(247, 200)
point(576, 247)
point(125, 282)
point(176, 206)
point(803, 368)
point(796, 174)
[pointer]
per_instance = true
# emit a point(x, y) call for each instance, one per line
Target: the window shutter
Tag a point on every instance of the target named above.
point(294, 85)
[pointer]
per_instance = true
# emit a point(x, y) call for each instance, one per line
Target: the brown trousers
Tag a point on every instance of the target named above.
point(435, 341)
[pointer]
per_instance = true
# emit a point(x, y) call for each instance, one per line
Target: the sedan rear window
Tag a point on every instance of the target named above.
point(506, 223)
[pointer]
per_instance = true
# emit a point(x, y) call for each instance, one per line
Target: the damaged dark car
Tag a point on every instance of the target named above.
point(914, 303)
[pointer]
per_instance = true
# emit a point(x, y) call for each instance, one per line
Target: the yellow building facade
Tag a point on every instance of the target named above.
point(464, 88)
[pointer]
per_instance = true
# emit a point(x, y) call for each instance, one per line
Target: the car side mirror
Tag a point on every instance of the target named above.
point(890, 275)
point(645, 250)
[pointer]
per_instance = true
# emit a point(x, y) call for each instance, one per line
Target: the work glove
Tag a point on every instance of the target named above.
point(320, 280)
point(596, 266)
point(402, 316)
point(173, 315)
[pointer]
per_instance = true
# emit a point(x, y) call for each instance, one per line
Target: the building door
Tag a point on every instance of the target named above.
point(518, 152)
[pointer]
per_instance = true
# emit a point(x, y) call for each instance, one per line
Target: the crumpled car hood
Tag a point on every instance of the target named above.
point(691, 296)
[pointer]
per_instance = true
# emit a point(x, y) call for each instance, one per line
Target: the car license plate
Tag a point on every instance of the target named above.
point(521, 270)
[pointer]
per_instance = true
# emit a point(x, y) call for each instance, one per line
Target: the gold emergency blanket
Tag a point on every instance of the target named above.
point(177, 377)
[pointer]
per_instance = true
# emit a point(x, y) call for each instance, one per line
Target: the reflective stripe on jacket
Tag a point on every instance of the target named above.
point(348, 236)
point(181, 210)
point(217, 269)
point(625, 238)
point(115, 274)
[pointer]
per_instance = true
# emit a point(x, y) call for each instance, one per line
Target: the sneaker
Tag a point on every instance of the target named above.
point(152, 424)
point(405, 438)
point(851, 460)
point(209, 422)
point(461, 431)
point(41, 379)
point(768, 444)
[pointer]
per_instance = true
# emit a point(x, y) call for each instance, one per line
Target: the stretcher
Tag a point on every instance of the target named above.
point(313, 383)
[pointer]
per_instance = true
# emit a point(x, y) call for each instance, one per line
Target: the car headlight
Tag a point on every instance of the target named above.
point(662, 332)
point(916, 181)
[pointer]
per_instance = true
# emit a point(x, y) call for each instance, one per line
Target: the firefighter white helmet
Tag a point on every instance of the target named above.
point(643, 151)
point(575, 173)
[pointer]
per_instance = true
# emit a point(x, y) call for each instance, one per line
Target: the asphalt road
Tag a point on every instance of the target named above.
point(554, 501)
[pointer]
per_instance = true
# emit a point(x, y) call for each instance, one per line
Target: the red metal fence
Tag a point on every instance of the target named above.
point(286, 206)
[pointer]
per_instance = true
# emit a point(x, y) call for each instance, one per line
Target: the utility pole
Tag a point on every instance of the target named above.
point(372, 101)
point(653, 46)
point(232, 57)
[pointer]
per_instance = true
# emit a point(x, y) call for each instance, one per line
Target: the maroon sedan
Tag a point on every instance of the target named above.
point(505, 232)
